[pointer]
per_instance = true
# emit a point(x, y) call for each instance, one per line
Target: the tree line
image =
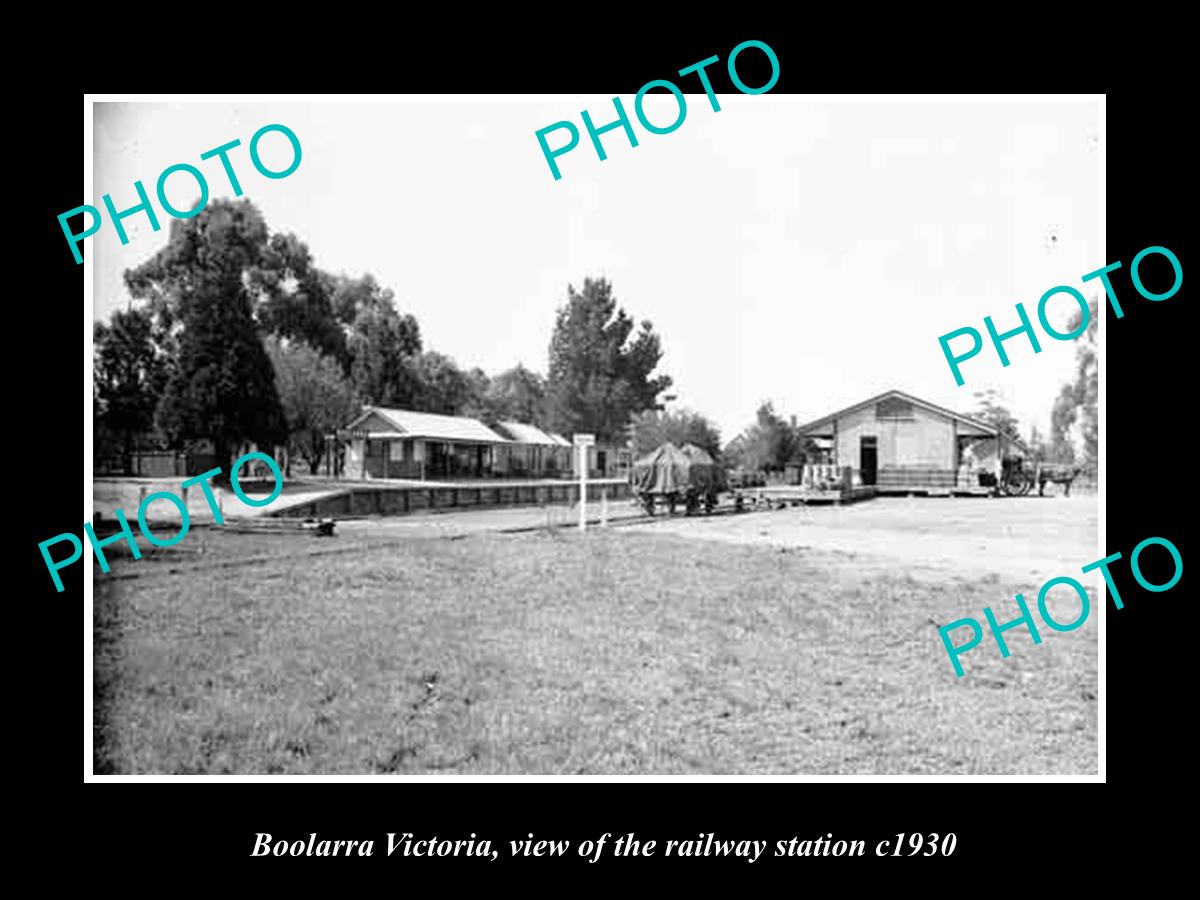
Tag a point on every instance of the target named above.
point(768, 444)
point(234, 335)
point(1074, 418)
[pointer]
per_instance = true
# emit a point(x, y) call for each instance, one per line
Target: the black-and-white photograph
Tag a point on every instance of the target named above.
point(466, 436)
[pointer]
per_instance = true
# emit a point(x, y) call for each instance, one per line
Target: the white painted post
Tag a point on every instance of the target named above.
point(582, 443)
point(604, 507)
point(583, 454)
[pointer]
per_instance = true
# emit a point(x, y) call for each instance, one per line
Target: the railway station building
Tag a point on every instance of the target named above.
point(386, 443)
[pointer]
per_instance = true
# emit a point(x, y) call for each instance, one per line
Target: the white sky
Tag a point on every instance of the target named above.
point(805, 252)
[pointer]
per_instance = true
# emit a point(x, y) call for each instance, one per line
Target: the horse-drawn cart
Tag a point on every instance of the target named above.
point(1019, 478)
point(1016, 479)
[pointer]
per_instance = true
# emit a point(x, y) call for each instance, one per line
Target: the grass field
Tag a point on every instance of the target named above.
point(611, 652)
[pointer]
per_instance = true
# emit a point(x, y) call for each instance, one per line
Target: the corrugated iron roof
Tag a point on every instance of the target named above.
point(523, 433)
point(969, 420)
point(432, 425)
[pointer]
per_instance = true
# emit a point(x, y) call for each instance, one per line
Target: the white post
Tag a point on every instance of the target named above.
point(604, 507)
point(582, 443)
point(583, 467)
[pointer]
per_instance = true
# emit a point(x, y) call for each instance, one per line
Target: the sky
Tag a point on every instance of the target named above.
point(806, 252)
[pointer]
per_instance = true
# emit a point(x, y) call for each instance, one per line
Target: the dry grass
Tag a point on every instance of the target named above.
point(560, 653)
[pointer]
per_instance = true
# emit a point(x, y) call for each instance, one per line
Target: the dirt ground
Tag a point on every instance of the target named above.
point(801, 641)
point(1018, 538)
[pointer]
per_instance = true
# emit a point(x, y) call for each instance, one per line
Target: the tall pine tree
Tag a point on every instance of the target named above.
point(599, 378)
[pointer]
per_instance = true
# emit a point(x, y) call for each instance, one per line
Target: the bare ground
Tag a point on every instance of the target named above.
point(1026, 539)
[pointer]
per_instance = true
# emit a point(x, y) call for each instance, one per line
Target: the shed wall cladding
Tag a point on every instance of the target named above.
point(924, 438)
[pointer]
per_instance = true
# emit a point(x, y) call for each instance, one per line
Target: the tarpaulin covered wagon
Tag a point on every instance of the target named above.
point(676, 475)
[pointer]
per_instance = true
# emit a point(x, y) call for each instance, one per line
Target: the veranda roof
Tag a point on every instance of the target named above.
point(432, 426)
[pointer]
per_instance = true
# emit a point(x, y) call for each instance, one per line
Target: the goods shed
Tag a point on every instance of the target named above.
point(901, 444)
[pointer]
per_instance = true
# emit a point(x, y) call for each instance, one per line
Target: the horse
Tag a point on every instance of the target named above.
point(1059, 474)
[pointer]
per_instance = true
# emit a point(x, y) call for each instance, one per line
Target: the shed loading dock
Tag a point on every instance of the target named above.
point(901, 444)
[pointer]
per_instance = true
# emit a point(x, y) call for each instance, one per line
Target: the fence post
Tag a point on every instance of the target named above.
point(604, 508)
